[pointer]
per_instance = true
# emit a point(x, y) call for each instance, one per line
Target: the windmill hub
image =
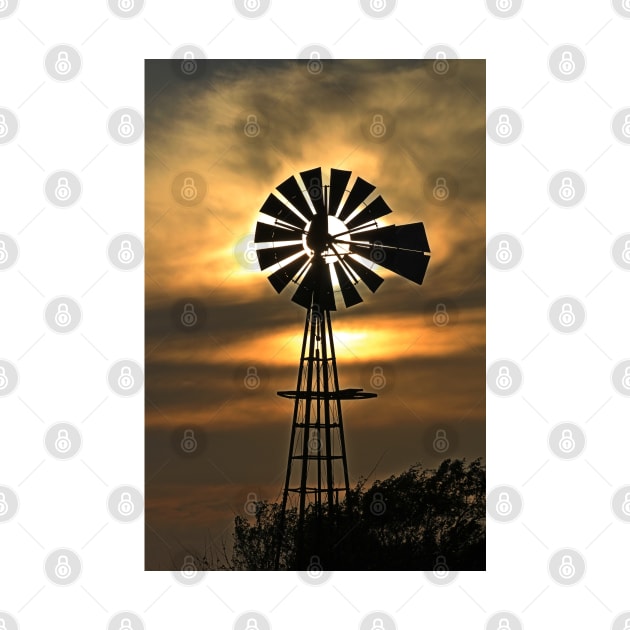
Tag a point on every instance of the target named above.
point(321, 234)
point(317, 237)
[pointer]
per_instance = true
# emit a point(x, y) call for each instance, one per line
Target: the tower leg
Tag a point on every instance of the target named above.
point(316, 438)
point(305, 428)
point(285, 493)
point(342, 439)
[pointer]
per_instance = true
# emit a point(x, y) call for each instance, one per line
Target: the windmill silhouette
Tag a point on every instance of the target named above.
point(325, 240)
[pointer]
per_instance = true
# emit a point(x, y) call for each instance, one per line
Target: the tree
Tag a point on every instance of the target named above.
point(409, 521)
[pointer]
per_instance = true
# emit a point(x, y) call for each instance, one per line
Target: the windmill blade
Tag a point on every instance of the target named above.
point(408, 264)
point(292, 191)
point(324, 293)
point(374, 210)
point(348, 290)
point(316, 288)
point(266, 233)
point(272, 255)
point(304, 293)
point(313, 181)
point(338, 182)
point(371, 279)
point(384, 235)
point(357, 195)
point(411, 236)
point(280, 278)
point(276, 209)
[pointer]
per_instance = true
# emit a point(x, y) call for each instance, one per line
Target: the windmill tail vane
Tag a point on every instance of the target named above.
point(326, 241)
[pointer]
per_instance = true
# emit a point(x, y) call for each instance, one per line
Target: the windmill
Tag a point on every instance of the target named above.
point(325, 240)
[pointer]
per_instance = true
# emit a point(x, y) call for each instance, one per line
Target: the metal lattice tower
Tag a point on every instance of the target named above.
point(326, 240)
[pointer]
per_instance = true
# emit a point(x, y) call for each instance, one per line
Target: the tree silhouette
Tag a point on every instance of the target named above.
point(406, 522)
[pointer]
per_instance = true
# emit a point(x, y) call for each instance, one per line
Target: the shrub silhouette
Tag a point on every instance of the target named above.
point(405, 522)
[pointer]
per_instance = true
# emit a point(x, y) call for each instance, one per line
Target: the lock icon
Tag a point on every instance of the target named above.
point(125, 253)
point(625, 129)
point(4, 381)
point(567, 442)
point(440, 65)
point(378, 505)
point(125, 624)
point(440, 569)
point(252, 624)
point(378, 128)
point(125, 5)
point(377, 254)
point(504, 126)
point(251, 380)
point(626, 6)
point(625, 506)
point(567, 190)
point(440, 317)
point(62, 568)
point(189, 65)
point(441, 443)
point(189, 317)
point(125, 505)
point(314, 189)
point(625, 381)
point(189, 441)
point(4, 129)
point(504, 505)
point(567, 64)
point(62, 316)
point(4, 506)
point(125, 127)
point(250, 253)
point(504, 253)
point(378, 5)
point(188, 568)
point(625, 255)
point(4, 254)
point(504, 5)
point(504, 379)
point(315, 315)
point(315, 65)
point(189, 190)
point(377, 624)
point(504, 624)
point(315, 568)
point(440, 190)
point(252, 128)
point(62, 191)
point(252, 5)
point(125, 379)
point(63, 443)
point(567, 568)
point(567, 316)
point(314, 443)
point(626, 624)
point(250, 504)
point(377, 380)
point(62, 65)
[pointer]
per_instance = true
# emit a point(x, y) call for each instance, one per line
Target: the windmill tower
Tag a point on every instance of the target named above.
point(325, 240)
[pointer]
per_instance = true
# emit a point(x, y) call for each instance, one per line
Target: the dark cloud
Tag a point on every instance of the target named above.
point(230, 315)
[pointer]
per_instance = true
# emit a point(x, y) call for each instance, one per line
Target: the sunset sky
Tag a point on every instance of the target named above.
point(197, 253)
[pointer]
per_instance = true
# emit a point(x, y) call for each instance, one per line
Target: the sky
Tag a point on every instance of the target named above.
point(199, 252)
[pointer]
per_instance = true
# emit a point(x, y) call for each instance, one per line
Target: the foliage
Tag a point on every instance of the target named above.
point(405, 522)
